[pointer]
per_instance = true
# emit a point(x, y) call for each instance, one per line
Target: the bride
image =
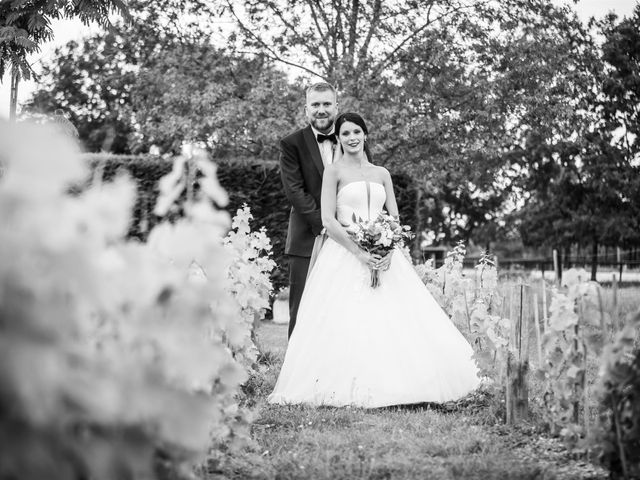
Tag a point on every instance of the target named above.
point(358, 345)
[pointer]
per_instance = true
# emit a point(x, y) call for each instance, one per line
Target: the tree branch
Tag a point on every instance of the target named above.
point(315, 15)
point(270, 53)
point(299, 39)
point(334, 29)
point(353, 25)
point(388, 58)
point(337, 6)
point(274, 56)
point(377, 6)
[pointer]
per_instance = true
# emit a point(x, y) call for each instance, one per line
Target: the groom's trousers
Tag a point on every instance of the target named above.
point(298, 267)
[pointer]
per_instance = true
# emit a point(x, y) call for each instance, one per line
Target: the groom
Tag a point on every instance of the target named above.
point(303, 156)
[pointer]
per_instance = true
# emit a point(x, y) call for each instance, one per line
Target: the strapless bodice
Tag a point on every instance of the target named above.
point(365, 199)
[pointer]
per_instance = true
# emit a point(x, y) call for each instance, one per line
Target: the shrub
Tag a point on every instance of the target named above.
point(617, 437)
point(248, 181)
point(105, 355)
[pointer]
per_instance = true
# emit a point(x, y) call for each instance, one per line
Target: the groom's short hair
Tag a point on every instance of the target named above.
point(321, 87)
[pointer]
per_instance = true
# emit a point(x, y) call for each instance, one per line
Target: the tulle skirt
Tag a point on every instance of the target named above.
point(371, 347)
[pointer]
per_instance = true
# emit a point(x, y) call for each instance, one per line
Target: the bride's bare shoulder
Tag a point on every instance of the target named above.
point(337, 168)
point(382, 172)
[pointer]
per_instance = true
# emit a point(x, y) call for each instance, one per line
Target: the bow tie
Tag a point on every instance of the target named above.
point(321, 137)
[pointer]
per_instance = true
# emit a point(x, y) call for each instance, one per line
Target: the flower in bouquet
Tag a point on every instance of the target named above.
point(378, 237)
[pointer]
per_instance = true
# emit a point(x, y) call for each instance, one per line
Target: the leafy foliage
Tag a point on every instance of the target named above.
point(94, 89)
point(579, 329)
point(451, 89)
point(154, 82)
point(448, 282)
point(26, 25)
point(583, 189)
point(190, 188)
point(620, 86)
point(577, 334)
point(195, 92)
point(617, 440)
point(109, 352)
point(475, 304)
point(248, 274)
point(576, 331)
point(246, 180)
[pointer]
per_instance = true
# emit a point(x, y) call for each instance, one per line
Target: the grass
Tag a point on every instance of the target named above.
point(463, 440)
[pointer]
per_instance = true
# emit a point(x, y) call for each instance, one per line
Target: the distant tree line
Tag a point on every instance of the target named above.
point(513, 122)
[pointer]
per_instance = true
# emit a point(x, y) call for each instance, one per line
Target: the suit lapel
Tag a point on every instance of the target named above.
point(312, 146)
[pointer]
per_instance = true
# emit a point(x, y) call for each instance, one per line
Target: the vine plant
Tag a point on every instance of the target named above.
point(104, 352)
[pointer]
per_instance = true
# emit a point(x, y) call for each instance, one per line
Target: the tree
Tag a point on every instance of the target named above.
point(621, 87)
point(92, 80)
point(451, 88)
point(583, 197)
point(348, 43)
point(237, 106)
point(92, 85)
point(160, 81)
point(25, 25)
point(585, 190)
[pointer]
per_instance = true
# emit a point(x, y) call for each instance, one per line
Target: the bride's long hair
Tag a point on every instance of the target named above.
point(358, 120)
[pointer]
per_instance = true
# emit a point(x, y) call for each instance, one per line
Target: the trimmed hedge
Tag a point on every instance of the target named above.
point(256, 183)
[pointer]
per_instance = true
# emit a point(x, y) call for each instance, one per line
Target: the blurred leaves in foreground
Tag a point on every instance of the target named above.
point(109, 353)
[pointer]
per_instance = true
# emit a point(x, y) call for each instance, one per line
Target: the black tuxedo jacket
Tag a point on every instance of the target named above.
point(301, 169)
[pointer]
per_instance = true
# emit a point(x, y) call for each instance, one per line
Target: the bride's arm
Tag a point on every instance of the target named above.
point(392, 208)
point(328, 208)
point(390, 204)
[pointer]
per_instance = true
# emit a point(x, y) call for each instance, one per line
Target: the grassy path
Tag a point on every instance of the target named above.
point(454, 441)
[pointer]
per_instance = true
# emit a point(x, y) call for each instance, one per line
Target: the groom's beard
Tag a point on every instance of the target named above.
point(322, 124)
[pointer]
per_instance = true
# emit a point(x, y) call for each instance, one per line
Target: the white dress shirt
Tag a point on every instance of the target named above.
point(326, 147)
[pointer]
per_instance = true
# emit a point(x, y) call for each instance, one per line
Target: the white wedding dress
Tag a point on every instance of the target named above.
point(371, 347)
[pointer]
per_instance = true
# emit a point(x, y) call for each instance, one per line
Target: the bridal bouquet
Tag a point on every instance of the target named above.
point(378, 237)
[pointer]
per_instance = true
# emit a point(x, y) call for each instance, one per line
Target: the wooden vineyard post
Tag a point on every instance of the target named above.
point(466, 310)
point(536, 320)
point(518, 358)
point(619, 260)
point(576, 346)
point(523, 353)
point(556, 267)
point(617, 321)
point(585, 396)
point(544, 307)
point(510, 358)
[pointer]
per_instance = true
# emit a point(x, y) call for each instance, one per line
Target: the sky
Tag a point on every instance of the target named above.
point(66, 30)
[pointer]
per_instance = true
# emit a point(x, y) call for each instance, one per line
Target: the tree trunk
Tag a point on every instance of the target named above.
point(594, 259)
point(567, 256)
point(579, 256)
point(13, 101)
point(559, 262)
